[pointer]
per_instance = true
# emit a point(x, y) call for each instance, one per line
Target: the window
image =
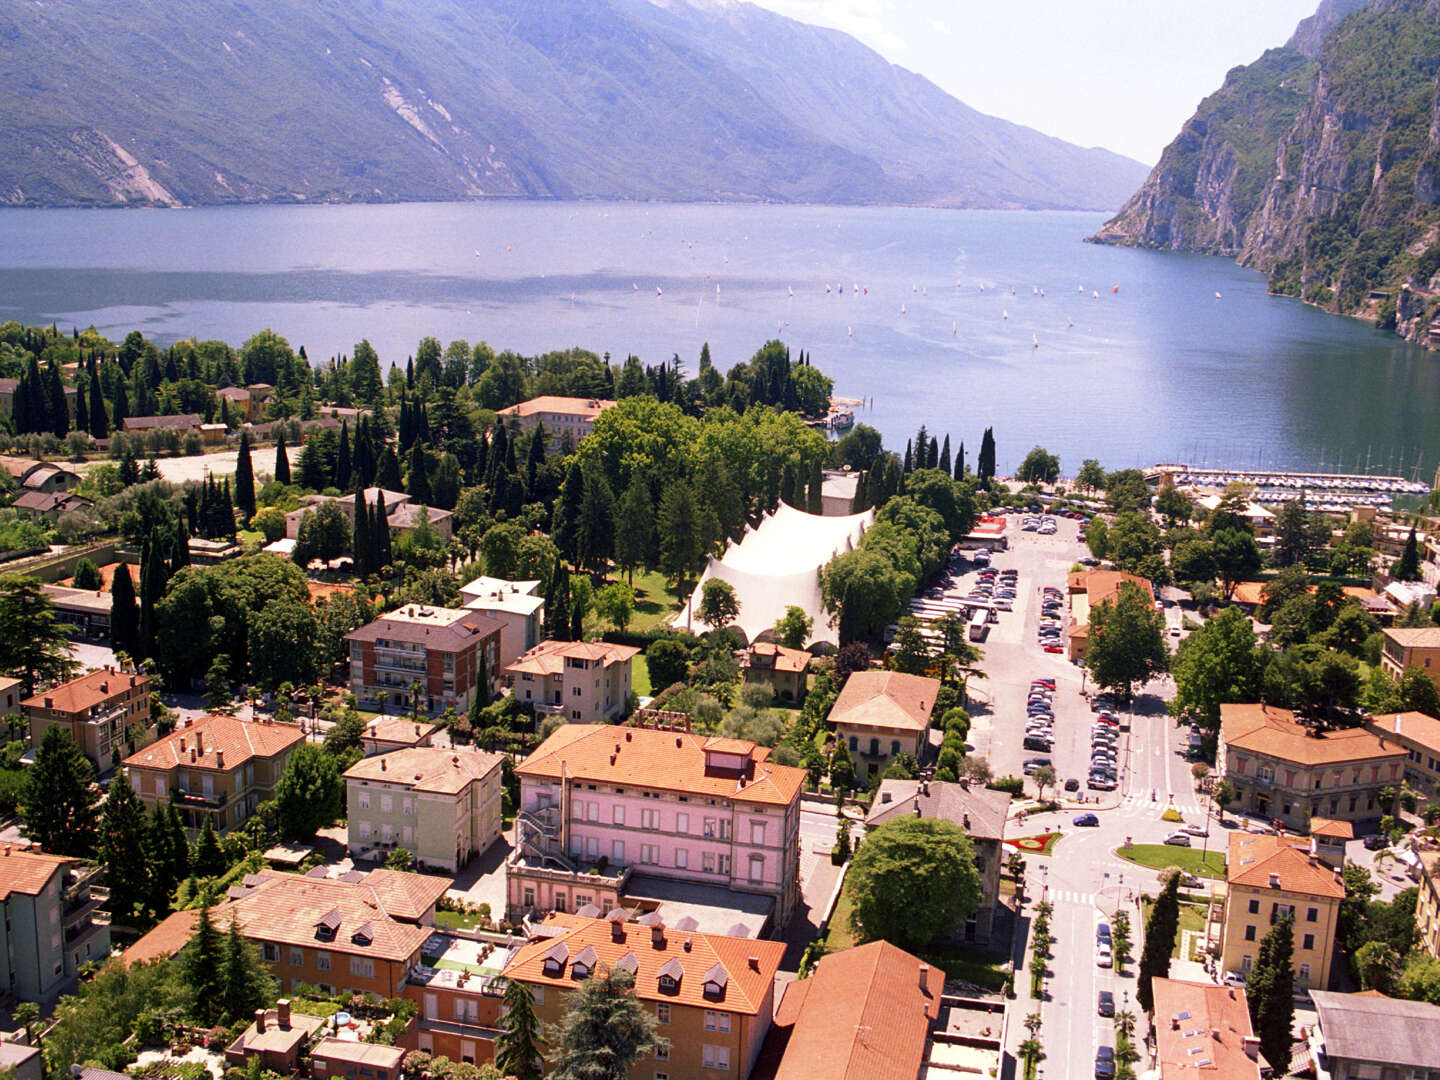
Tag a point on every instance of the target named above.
point(592, 811)
point(362, 966)
point(362, 800)
point(682, 858)
point(271, 952)
point(682, 823)
point(160, 787)
point(722, 864)
point(874, 747)
point(650, 819)
point(1311, 914)
point(387, 803)
point(649, 855)
point(364, 828)
point(724, 828)
point(662, 1013)
point(1246, 962)
point(854, 743)
point(894, 747)
point(715, 1057)
point(757, 869)
point(716, 1021)
point(1266, 772)
point(297, 958)
point(407, 806)
point(539, 992)
point(1254, 907)
point(707, 862)
point(617, 815)
point(710, 828)
point(617, 852)
point(322, 961)
point(1250, 933)
point(662, 1053)
point(1304, 973)
point(757, 832)
point(1308, 941)
point(575, 691)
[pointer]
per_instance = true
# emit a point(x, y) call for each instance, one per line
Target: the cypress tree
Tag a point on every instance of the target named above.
point(360, 536)
point(387, 476)
point(944, 463)
point(245, 479)
point(814, 491)
point(120, 407)
point(1270, 993)
point(557, 606)
point(499, 448)
point(153, 579)
point(58, 412)
point(282, 461)
point(985, 462)
point(160, 867)
point(909, 464)
point(123, 834)
point(179, 844)
point(787, 485)
point(1160, 930)
point(534, 458)
point(124, 614)
point(595, 536)
point(418, 482)
point(202, 965)
point(179, 547)
point(342, 458)
point(82, 410)
point(99, 427)
point(381, 535)
point(517, 1050)
point(635, 527)
point(565, 526)
point(362, 466)
point(860, 503)
point(960, 462)
point(1408, 566)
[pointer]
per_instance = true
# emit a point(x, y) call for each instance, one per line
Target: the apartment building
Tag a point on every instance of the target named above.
point(785, 671)
point(712, 996)
point(587, 682)
point(1417, 647)
point(1371, 1035)
point(218, 767)
point(53, 923)
point(562, 416)
point(1427, 904)
point(11, 693)
point(106, 713)
point(387, 733)
point(1203, 1030)
point(880, 714)
point(457, 989)
point(441, 804)
point(432, 658)
point(980, 812)
point(515, 605)
point(1419, 736)
point(1286, 771)
point(1267, 877)
point(658, 801)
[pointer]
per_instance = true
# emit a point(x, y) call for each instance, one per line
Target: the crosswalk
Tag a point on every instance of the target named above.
point(1070, 896)
point(1190, 811)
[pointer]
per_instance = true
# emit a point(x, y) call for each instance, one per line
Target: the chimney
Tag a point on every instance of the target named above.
point(617, 930)
point(966, 820)
point(629, 735)
point(220, 759)
point(924, 976)
point(1174, 1023)
point(282, 1009)
point(200, 743)
point(260, 1021)
point(754, 962)
point(49, 702)
point(1215, 1034)
point(884, 797)
point(192, 755)
point(657, 935)
point(689, 943)
point(382, 762)
point(417, 729)
point(105, 687)
point(182, 744)
point(1252, 1046)
point(1274, 881)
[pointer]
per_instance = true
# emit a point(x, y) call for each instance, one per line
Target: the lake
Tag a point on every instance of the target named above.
point(962, 319)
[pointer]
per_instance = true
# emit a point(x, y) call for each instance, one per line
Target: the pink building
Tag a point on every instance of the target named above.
point(598, 802)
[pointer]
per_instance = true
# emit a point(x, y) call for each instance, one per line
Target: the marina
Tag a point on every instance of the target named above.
point(1331, 492)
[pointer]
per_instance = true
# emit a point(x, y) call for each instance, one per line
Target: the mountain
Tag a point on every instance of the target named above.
point(213, 101)
point(1318, 164)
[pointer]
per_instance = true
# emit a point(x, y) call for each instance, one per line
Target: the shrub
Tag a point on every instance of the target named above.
point(1171, 814)
point(1012, 785)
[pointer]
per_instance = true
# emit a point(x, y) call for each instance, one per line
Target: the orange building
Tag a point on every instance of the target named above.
point(106, 712)
point(1203, 1030)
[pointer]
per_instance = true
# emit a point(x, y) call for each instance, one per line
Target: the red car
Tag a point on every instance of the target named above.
point(1053, 648)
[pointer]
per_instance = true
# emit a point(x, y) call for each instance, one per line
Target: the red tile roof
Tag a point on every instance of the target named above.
point(548, 658)
point(586, 408)
point(1254, 857)
point(864, 1016)
point(786, 659)
point(165, 939)
point(427, 768)
point(746, 986)
point(1416, 726)
point(886, 699)
point(1274, 732)
point(660, 760)
point(87, 692)
point(27, 872)
point(238, 740)
point(1209, 1042)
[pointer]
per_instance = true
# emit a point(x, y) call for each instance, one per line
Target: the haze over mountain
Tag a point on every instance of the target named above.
point(210, 101)
point(1320, 164)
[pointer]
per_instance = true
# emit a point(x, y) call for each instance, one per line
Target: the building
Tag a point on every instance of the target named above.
point(181, 423)
point(587, 682)
point(784, 671)
point(1284, 771)
point(442, 805)
point(1417, 647)
point(562, 416)
point(457, 989)
point(979, 811)
point(1427, 904)
point(1203, 1030)
point(21, 1059)
point(387, 733)
point(660, 801)
point(53, 922)
point(429, 658)
point(1328, 839)
point(48, 478)
point(1369, 1034)
point(217, 767)
point(1266, 877)
point(85, 613)
point(276, 1036)
point(10, 690)
point(7, 397)
point(242, 405)
point(515, 605)
point(837, 492)
point(1088, 589)
point(867, 1013)
point(46, 506)
point(1418, 734)
point(712, 996)
point(880, 714)
point(1260, 519)
point(401, 513)
point(106, 713)
point(340, 1058)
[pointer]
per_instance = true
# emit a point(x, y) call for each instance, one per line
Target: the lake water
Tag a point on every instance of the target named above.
point(1158, 369)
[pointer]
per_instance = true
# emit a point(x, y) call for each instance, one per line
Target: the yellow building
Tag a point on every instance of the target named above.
point(1419, 736)
point(1411, 647)
point(1088, 589)
point(712, 997)
point(1266, 878)
point(880, 714)
point(1427, 906)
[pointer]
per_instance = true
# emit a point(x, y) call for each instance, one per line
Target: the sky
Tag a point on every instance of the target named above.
point(1122, 74)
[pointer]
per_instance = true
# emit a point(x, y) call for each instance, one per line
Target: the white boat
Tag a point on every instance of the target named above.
point(954, 329)
point(1094, 295)
point(902, 309)
point(791, 290)
point(1217, 296)
point(1069, 321)
point(841, 419)
point(1034, 341)
point(658, 291)
point(1004, 314)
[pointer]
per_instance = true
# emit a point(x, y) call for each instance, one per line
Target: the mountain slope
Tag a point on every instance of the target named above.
point(164, 102)
point(1319, 163)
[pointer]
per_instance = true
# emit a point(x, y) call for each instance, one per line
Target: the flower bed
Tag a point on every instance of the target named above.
point(1035, 845)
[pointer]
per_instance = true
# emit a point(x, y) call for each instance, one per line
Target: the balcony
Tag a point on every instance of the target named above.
point(212, 801)
point(77, 910)
point(542, 708)
point(78, 935)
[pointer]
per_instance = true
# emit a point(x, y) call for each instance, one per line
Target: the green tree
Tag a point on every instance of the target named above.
point(603, 1031)
point(985, 460)
point(1160, 928)
point(793, 628)
point(668, 661)
point(517, 1047)
point(282, 643)
point(87, 577)
point(718, 604)
point(1090, 475)
point(681, 541)
point(246, 985)
point(124, 612)
point(1174, 506)
point(123, 830)
point(324, 534)
point(209, 859)
point(595, 532)
point(1377, 966)
point(217, 683)
point(310, 793)
point(202, 967)
point(33, 645)
point(1219, 664)
point(245, 478)
point(345, 735)
point(1237, 557)
point(635, 527)
point(59, 803)
point(842, 768)
point(615, 603)
point(1420, 981)
point(911, 654)
point(1127, 643)
point(1270, 993)
point(282, 461)
point(913, 881)
point(569, 508)
point(1039, 467)
point(1407, 568)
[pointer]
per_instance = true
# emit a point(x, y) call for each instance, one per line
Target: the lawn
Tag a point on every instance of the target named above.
point(457, 920)
point(1192, 917)
point(1159, 856)
point(654, 601)
point(977, 966)
point(640, 677)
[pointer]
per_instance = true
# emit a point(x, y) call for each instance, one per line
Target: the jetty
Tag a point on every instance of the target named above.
point(1321, 490)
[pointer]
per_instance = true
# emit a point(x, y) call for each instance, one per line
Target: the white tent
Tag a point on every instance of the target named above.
point(778, 565)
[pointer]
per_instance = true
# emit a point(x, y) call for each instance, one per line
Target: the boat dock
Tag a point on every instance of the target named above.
point(1321, 491)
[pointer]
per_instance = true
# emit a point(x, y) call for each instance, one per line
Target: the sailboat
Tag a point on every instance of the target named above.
point(658, 291)
point(902, 309)
point(1217, 296)
point(1080, 289)
point(1069, 321)
point(1114, 288)
point(635, 286)
point(791, 290)
point(850, 331)
point(1034, 290)
point(1004, 314)
point(982, 288)
point(1034, 341)
point(1094, 295)
point(827, 288)
point(954, 329)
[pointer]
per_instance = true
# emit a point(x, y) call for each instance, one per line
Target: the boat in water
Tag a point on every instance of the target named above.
point(842, 418)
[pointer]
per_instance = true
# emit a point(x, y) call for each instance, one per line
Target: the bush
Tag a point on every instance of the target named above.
point(1012, 785)
point(1171, 814)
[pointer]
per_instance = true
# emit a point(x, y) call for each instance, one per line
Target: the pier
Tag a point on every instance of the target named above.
point(1321, 491)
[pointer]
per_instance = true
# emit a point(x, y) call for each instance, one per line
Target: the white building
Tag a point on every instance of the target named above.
point(515, 605)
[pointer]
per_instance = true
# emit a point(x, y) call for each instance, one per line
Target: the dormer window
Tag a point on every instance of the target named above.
point(363, 935)
point(714, 983)
point(670, 976)
point(584, 963)
point(329, 923)
point(554, 965)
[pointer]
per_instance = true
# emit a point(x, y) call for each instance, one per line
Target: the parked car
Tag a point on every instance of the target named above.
point(1072, 784)
point(1234, 978)
point(1178, 839)
point(1105, 1004)
point(1102, 933)
point(1086, 821)
point(1032, 764)
point(1103, 956)
point(1195, 830)
point(1376, 841)
point(1105, 1063)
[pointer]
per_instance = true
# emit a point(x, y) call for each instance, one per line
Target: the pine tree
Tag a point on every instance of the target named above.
point(360, 538)
point(179, 844)
point(595, 536)
point(557, 606)
point(565, 527)
point(985, 463)
point(635, 527)
point(381, 534)
point(82, 410)
point(158, 862)
point(960, 462)
point(246, 985)
point(814, 491)
point(124, 614)
point(123, 831)
point(1160, 930)
point(245, 479)
point(343, 460)
point(944, 463)
point(387, 474)
point(99, 425)
point(209, 859)
point(1408, 567)
point(202, 966)
point(678, 528)
point(604, 1030)
point(517, 1047)
point(282, 461)
point(909, 465)
point(1270, 993)
point(418, 482)
point(58, 803)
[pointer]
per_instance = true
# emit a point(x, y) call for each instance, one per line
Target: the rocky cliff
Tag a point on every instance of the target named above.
point(1319, 164)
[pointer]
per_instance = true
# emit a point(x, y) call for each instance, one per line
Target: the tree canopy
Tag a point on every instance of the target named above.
point(912, 881)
